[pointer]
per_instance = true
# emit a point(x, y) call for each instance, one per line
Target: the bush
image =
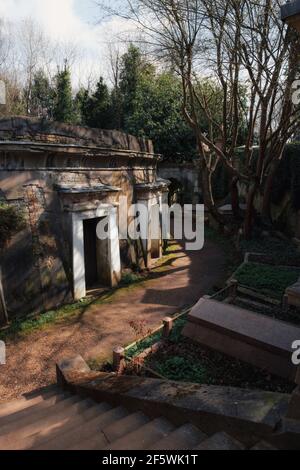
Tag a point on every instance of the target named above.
point(11, 222)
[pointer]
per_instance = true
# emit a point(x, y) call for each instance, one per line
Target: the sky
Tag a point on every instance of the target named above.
point(71, 21)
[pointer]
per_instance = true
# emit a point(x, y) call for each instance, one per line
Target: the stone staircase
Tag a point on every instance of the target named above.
point(54, 419)
point(90, 410)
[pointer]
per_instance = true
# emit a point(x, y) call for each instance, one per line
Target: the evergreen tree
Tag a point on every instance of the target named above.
point(157, 115)
point(133, 69)
point(98, 107)
point(116, 109)
point(82, 106)
point(64, 107)
point(42, 96)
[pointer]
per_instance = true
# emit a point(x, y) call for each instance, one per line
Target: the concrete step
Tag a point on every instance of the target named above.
point(263, 446)
point(184, 438)
point(115, 431)
point(245, 335)
point(24, 402)
point(255, 305)
point(34, 409)
point(37, 412)
point(220, 441)
point(43, 440)
point(54, 418)
point(78, 439)
point(126, 425)
point(144, 437)
point(293, 294)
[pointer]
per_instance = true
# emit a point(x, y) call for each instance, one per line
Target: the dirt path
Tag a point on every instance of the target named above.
point(181, 281)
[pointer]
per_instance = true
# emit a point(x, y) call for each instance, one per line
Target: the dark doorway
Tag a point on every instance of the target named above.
point(90, 252)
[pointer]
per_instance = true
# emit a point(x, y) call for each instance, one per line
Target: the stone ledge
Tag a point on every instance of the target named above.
point(42, 130)
point(246, 415)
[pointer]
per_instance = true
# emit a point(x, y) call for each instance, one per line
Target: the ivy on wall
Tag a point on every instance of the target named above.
point(11, 222)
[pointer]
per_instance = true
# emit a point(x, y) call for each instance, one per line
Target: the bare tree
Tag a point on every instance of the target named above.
point(114, 60)
point(245, 48)
point(32, 46)
point(5, 43)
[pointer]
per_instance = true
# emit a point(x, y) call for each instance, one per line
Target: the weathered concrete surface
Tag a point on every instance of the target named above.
point(37, 159)
point(253, 338)
point(293, 294)
point(247, 415)
point(185, 181)
point(42, 130)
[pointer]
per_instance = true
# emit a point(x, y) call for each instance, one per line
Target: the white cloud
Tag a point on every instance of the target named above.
point(61, 21)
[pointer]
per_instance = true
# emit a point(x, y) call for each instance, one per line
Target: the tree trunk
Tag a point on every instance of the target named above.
point(208, 195)
point(266, 206)
point(235, 201)
point(3, 311)
point(248, 224)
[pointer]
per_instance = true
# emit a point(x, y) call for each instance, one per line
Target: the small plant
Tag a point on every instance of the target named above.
point(139, 328)
point(130, 278)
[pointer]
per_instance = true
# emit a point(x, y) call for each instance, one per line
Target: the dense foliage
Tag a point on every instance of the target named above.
point(64, 110)
point(144, 101)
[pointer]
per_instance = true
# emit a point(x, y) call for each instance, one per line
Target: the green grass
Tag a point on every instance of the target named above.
point(141, 346)
point(282, 251)
point(25, 326)
point(183, 360)
point(269, 280)
point(131, 278)
point(22, 326)
point(170, 255)
point(146, 343)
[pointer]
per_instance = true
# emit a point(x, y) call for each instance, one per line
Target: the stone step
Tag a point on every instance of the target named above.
point(220, 441)
point(34, 409)
point(255, 305)
point(144, 437)
point(115, 431)
point(25, 402)
point(76, 439)
point(38, 412)
point(53, 418)
point(244, 335)
point(43, 439)
point(124, 426)
point(293, 294)
point(184, 438)
point(263, 446)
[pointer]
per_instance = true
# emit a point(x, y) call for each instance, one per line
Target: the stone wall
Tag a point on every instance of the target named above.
point(40, 130)
point(185, 185)
point(37, 264)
